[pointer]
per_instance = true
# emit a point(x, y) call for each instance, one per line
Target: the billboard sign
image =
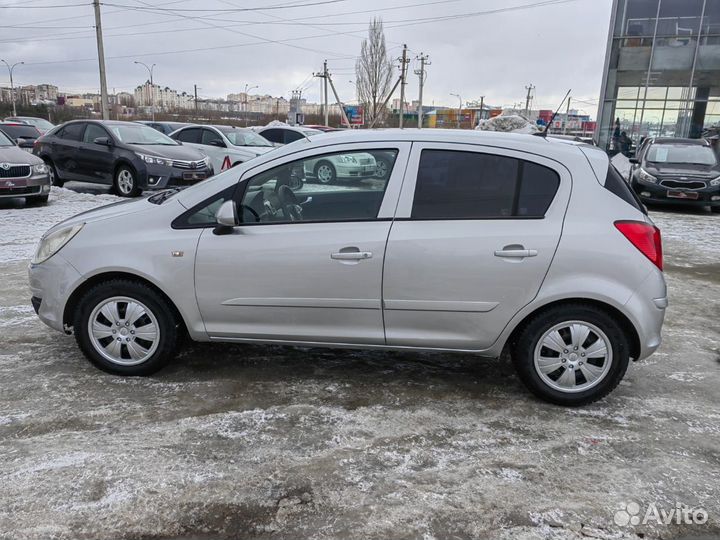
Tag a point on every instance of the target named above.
point(355, 114)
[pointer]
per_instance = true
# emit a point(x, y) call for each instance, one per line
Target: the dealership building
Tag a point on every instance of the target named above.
point(662, 69)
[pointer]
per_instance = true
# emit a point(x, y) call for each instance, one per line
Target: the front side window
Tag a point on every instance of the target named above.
point(274, 135)
point(93, 132)
point(292, 136)
point(471, 185)
point(245, 137)
point(210, 137)
point(343, 186)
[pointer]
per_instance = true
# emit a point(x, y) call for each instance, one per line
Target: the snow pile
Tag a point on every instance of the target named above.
point(277, 123)
point(511, 123)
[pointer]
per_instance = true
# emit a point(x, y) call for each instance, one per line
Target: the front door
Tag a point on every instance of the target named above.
point(305, 265)
point(474, 235)
point(95, 161)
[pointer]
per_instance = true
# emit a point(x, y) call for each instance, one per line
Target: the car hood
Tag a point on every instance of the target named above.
point(120, 208)
point(14, 154)
point(682, 169)
point(187, 153)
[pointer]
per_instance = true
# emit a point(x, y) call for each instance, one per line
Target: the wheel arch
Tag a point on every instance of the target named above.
point(77, 294)
point(626, 324)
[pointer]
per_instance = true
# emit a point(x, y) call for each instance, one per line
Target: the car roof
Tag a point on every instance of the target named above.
point(292, 128)
point(679, 140)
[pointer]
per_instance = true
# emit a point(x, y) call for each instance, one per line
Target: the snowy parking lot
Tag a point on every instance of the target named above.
point(239, 441)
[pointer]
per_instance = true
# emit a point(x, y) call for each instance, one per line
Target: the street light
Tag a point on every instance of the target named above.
point(152, 86)
point(459, 108)
point(247, 89)
point(12, 87)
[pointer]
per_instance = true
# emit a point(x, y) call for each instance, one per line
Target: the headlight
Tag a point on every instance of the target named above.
point(40, 168)
point(154, 160)
point(349, 159)
point(715, 182)
point(645, 176)
point(52, 243)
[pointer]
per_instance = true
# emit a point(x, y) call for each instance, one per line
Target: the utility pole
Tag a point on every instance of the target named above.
point(152, 86)
point(482, 103)
point(196, 108)
point(101, 61)
point(403, 81)
point(247, 89)
point(567, 117)
point(421, 75)
point(12, 86)
point(324, 110)
point(528, 98)
point(343, 116)
point(459, 114)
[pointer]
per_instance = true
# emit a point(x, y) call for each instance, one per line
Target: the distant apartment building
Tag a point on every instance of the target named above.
point(163, 98)
point(30, 94)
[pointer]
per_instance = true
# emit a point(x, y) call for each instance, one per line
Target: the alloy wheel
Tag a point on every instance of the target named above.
point(124, 331)
point(324, 174)
point(573, 356)
point(125, 182)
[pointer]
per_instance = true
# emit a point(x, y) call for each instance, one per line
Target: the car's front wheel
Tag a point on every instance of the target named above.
point(571, 355)
point(126, 182)
point(55, 180)
point(126, 328)
point(325, 172)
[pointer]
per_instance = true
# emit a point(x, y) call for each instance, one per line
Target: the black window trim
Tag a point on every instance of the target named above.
point(516, 196)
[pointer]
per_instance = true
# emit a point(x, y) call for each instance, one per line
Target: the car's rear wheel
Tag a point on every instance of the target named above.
point(382, 167)
point(126, 328)
point(52, 173)
point(325, 172)
point(571, 355)
point(715, 209)
point(126, 183)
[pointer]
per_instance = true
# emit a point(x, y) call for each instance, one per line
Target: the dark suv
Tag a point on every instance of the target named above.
point(684, 171)
point(129, 156)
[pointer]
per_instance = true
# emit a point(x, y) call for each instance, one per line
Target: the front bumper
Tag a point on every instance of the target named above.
point(38, 184)
point(160, 177)
point(355, 171)
point(51, 284)
point(655, 193)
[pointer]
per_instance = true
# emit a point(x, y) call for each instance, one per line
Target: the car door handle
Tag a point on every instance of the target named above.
point(350, 255)
point(517, 253)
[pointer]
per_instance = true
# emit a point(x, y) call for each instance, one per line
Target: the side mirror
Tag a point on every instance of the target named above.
point(227, 214)
point(217, 142)
point(634, 161)
point(104, 141)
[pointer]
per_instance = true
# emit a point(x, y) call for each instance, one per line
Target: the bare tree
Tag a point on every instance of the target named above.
point(373, 73)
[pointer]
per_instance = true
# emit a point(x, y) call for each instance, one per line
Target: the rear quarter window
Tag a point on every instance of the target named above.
point(616, 184)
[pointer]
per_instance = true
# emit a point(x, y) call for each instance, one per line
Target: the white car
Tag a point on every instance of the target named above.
point(226, 146)
point(329, 169)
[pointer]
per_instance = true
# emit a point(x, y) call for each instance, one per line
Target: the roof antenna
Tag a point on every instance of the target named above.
point(544, 132)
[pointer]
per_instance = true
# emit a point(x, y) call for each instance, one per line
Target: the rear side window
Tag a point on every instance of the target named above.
point(470, 185)
point(274, 135)
point(191, 135)
point(72, 132)
point(615, 184)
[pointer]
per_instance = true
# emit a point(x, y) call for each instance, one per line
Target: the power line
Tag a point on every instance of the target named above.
point(234, 10)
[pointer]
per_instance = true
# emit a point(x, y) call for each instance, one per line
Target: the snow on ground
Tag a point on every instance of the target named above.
point(22, 226)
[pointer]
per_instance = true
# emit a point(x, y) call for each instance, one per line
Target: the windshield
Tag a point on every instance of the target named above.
point(19, 131)
point(682, 153)
point(245, 138)
point(140, 134)
point(5, 141)
point(37, 122)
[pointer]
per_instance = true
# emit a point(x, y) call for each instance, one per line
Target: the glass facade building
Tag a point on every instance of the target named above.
point(662, 69)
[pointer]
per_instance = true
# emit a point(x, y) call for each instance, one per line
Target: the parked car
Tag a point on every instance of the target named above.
point(677, 171)
point(164, 127)
point(332, 168)
point(22, 174)
point(472, 244)
point(129, 156)
point(24, 135)
point(41, 124)
point(226, 146)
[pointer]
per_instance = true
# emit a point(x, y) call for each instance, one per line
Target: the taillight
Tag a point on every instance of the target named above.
point(645, 237)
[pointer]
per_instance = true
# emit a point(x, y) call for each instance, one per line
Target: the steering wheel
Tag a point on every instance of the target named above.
point(290, 203)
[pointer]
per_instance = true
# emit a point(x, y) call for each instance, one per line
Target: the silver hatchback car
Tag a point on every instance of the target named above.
point(475, 242)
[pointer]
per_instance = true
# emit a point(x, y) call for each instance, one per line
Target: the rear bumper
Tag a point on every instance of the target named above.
point(646, 309)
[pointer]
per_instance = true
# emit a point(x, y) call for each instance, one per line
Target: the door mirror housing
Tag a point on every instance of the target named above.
point(104, 141)
point(217, 142)
point(227, 214)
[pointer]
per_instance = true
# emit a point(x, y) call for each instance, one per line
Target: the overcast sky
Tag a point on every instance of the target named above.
point(477, 47)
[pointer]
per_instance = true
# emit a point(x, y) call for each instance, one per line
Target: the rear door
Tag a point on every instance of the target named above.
point(475, 232)
point(63, 150)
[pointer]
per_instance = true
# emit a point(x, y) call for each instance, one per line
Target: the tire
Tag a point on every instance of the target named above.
point(715, 209)
point(55, 180)
point(558, 385)
point(126, 182)
point(37, 200)
point(137, 355)
point(325, 172)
